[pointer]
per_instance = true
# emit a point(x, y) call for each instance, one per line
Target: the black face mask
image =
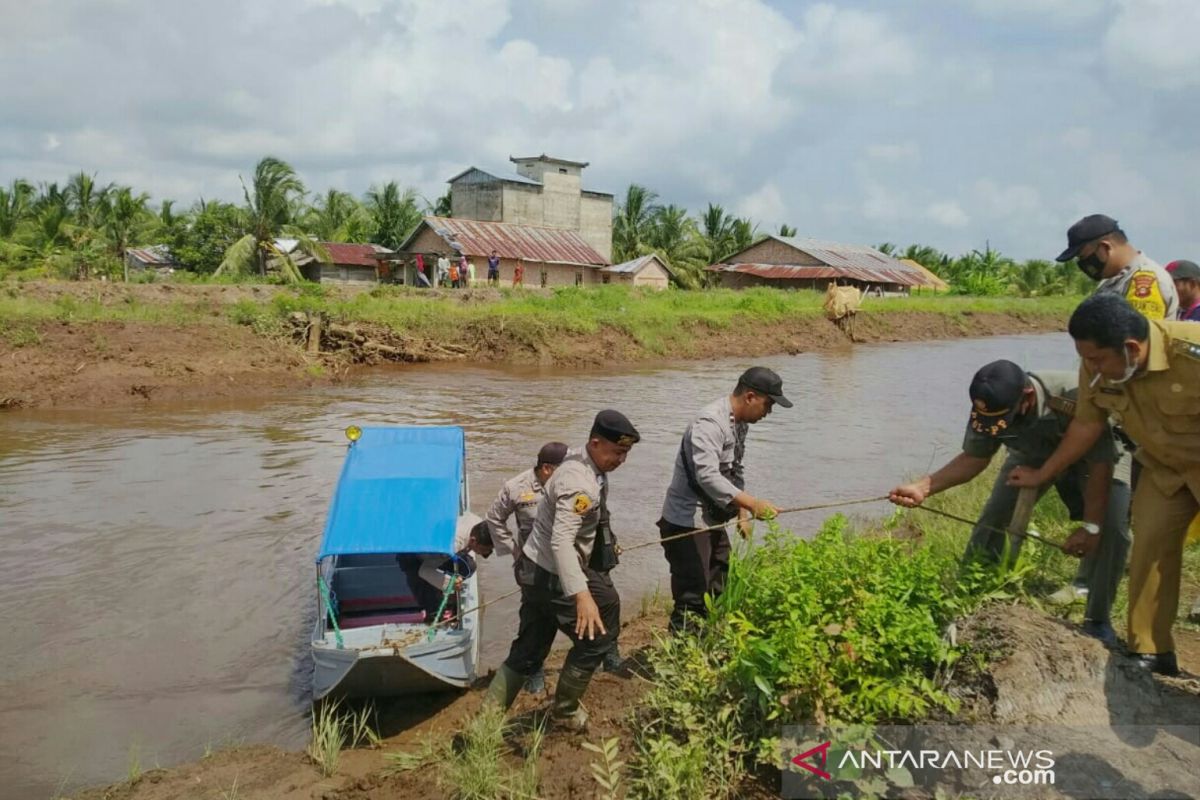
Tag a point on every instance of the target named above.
point(1092, 266)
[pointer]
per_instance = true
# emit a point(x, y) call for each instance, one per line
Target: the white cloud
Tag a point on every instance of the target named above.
point(845, 51)
point(905, 151)
point(1154, 42)
point(1057, 12)
point(765, 205)
point(1076, 138)
point(947, 213)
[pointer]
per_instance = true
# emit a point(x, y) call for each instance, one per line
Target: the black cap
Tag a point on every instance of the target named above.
point(552, 453)
point(616, 427)
point(765, 381)
point(1184, 269)
point(995, 397)
point(1088, 229)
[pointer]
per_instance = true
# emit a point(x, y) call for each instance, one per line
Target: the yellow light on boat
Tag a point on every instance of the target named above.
point(354, 433)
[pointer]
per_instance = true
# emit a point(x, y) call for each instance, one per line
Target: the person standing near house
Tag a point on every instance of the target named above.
point(563, 574)
point(454, 276)
point(462, 271)
point(519, 273)
point(470, 273)
point(443, 270)
point(1186, 276)
point(419, 263)
point(493, 275)
point(708, 478)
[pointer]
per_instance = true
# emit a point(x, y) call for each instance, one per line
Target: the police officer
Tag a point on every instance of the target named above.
point(519, 497)
point(708, 477)
point(1145, 375)
point(1029, 413)
point(563, 574)
point(1102, 250)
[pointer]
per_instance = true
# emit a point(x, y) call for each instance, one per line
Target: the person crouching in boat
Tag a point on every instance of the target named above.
point(564, 575)
point(430, 576)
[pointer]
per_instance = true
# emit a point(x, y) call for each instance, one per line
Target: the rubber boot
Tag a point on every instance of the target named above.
point(567, 712)
point(612, 660)
point(505, 687)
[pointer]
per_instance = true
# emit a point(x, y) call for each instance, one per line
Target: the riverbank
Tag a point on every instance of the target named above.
point(980, 656)
point(76, 345)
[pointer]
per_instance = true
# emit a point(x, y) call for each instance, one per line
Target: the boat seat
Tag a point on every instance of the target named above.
point(394, 618)
point(381, 602)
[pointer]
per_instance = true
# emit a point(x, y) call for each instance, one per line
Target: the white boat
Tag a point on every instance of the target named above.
point(403, 492)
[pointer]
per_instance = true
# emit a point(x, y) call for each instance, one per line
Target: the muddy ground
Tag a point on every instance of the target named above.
point(1044, 673)
point(81, 364)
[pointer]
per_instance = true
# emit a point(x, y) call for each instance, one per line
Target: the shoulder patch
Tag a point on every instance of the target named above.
point(527, 497)
point(1145, 295)
point(1061, 405)
point(582, 503)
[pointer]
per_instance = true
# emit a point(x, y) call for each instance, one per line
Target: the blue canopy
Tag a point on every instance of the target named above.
point(399, 492)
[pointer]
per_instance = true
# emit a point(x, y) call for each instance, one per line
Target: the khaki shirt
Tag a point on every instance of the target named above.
point(518, 496)
point(1033, 437)
point(564, 530)
point(1147, 286)
point(1159, 408)
point(716, 443)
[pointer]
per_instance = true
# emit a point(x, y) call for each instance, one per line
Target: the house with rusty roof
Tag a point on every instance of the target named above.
point(542, 191)
point(548, 256)
point(794, 263)
point(348, 262)
point(649, 270)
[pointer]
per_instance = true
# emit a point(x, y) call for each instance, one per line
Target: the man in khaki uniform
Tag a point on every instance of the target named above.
point(519, 497)
point(1146, 376)
point(563, 572)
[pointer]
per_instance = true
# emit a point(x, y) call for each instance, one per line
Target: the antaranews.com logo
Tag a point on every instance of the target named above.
point(1008, 767)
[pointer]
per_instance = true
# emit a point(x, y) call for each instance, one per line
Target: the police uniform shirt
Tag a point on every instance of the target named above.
point(1034, 436)
point(716, 444)
point(1147, 286)
point(1159, 408)
point(518, 497)
point(564, 529)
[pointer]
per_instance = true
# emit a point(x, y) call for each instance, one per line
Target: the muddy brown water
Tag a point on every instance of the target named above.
point(157, 564)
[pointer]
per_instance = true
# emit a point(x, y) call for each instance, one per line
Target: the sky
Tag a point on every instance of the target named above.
point(954, 123)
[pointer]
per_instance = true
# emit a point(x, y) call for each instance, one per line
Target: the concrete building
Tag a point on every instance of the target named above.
point(645, 271)
point(551, 256)
point(793, 263)
point(545, 192)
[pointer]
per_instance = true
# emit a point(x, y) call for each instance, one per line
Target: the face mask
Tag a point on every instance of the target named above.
point(1092, 266)
point(1130, 368)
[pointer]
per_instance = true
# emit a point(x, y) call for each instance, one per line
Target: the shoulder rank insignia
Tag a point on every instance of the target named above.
point(1061, 405)
point(1186, 349)
point(527, 497)
point(582, 503)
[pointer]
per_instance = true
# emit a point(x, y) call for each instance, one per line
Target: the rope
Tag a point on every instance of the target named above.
point(325, 595)
point(1029, 534)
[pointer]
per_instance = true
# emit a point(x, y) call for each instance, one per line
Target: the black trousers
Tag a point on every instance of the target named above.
point(545, 611)
point(430, 597)
point(699, 565)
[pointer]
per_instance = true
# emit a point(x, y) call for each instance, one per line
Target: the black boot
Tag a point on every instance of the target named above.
point(612, 660)
point(1162, 663)
point(567, 711)
point(505, 687)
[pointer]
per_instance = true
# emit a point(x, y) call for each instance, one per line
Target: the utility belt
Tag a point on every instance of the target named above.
point(712, 509)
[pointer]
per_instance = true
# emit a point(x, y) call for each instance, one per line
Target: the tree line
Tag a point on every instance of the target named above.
point(83, 229)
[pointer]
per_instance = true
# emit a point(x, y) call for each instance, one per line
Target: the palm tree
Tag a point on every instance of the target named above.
point(674, 236)
point(786, 230)
point(1036, 278)
point(271, 201)
point(633, 221)
point(744, 233)
point(442, 207)
point(718, 232)
point(14, 206)
point(332, 217)
point(394, 212)
point(123, 212)
point(84, 199)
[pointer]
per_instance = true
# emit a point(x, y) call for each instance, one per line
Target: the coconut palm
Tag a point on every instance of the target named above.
point(394, 214)
point(123, 213)
point(787, 231)
point(335, 217)
point(15, 206)
point(271, 201)
point(1037, 278)
point(717, 227)
point(744, 233)
point(633, 222)
point(85, 199)
point(676, 239)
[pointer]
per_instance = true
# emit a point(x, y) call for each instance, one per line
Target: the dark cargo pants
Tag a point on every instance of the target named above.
point(699, 565)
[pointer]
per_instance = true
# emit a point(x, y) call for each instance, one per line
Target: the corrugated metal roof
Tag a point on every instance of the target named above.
point(931, 278)
point(636, 265)
point(505, 175)
point(850, 261)
point(476, 238)
point(551, 159)
point(904, 277)
point(359, 255)
point(156, 255)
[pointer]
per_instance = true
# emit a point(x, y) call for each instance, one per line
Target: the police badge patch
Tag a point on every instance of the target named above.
point(582, 503)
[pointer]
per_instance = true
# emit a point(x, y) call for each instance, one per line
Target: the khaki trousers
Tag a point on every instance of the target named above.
point(1160, 523)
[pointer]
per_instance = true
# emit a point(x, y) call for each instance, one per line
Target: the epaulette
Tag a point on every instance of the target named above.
point(1061, 405)
point(1186, 349)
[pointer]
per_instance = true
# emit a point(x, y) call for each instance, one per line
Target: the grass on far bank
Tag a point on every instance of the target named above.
point(654, 319)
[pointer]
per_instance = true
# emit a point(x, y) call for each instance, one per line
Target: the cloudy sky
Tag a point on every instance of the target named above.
point(947, 122)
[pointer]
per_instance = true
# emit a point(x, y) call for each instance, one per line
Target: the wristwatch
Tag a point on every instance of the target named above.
point(1090, 527)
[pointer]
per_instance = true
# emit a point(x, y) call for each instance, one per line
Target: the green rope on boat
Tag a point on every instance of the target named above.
point(337, 632)
point(441, 607)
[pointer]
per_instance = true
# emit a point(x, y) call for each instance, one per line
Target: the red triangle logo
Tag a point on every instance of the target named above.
point(818, 752)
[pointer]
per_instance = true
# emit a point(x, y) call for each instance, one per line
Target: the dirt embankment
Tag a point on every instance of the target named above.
point(1043, 673)
point(195, 349)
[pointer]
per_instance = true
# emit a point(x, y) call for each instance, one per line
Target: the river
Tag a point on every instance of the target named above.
point(157, 563)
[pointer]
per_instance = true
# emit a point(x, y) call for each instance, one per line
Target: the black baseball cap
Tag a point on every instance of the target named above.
point(765, 381)
point(1088, 229)
point(616, 427)
point(1184, 269)
point(995, 397)
point(552, 453)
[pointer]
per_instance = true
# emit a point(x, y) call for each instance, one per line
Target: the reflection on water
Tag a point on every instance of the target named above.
point(158, 567)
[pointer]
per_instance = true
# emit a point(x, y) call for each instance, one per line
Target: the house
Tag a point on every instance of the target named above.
point(156, 257)
point(645, 271)
point(348, 263)
point(793, 263)
point(551, 256)
point(931, 280)
point(544, 192)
